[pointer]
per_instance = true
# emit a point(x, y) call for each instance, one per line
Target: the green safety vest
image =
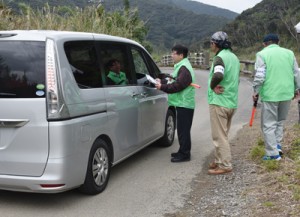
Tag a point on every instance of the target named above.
point(118, 79)
point(279, 81)
point(186, 97)
point(230, 82)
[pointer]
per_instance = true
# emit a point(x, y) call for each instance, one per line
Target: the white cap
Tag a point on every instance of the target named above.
point(219, 36)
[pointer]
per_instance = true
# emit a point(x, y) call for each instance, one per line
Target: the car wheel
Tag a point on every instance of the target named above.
point(168, 137)
point(98, 170)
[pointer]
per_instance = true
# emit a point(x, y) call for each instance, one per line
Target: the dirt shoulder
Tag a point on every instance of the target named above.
point(249, 190)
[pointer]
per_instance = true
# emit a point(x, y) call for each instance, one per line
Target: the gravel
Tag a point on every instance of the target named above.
point(236, 193)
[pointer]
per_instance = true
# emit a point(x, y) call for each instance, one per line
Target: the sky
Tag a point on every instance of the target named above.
point(234, 5)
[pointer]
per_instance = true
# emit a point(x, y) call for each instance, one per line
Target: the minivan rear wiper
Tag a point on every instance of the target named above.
point(8, 94)
point(7, 35)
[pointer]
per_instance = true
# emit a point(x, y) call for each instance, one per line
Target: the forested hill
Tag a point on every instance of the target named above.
point(190, 22)
point(168, 21)
point(40, 3)
point(189, 5)
point(269, 16)
point(201, 8)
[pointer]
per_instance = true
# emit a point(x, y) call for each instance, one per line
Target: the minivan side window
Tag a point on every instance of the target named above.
point(82, 58)
point(156, 71)
point(140, 66)
point(114, 59)
point(22, 69)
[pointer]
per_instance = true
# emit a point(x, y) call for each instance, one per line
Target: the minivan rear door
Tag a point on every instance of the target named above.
point(23, 123)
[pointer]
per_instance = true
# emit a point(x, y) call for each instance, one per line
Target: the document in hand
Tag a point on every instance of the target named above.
point(152, 80)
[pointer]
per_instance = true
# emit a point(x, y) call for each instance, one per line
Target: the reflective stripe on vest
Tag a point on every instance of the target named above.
point(230, 82)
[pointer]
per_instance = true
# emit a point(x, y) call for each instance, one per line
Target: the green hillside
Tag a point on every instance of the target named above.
point(40, 3)
point(201, 8)
point(168, 21)
point(269, 16)
point(183, 21)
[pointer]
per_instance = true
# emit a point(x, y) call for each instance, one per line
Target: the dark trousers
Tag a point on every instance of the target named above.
point(184, 125)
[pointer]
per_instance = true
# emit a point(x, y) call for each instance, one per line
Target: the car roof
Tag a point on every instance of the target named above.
point(42, 35)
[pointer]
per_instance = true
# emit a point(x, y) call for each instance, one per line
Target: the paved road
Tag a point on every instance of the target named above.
point(145, 185)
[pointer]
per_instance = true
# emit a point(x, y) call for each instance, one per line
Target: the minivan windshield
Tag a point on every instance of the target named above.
point(22, 69)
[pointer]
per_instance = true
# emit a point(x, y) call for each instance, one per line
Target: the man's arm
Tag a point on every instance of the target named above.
point(219, 68)
point(296, 74)
point(296, 78)
point(260, 75)
point(183, 80)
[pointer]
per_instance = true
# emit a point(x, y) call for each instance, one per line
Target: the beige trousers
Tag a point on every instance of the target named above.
point(220, 119)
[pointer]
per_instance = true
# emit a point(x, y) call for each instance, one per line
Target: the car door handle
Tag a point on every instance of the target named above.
point(134, 95)
point(13, 123)
point(144, 94)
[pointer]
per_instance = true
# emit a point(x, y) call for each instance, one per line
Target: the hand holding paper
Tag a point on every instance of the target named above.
point(152, 80)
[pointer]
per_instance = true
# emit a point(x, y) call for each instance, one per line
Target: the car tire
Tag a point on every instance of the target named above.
point(98, 170)
point(170, 126)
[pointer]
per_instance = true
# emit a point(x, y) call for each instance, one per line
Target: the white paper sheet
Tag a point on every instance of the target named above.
point(152, 80)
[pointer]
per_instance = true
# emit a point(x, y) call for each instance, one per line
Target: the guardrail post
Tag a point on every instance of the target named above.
point(299, 110)
point(246, 69)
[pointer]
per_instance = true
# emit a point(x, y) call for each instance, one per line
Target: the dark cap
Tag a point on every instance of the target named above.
point(271, 37)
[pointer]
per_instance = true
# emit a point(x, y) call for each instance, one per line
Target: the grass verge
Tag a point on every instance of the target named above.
point(279, 189)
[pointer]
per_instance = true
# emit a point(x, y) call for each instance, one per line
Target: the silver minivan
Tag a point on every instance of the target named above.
point(62, 125)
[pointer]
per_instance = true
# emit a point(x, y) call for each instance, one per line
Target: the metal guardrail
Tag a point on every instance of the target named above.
point(196, 59)
point(203, 60)
point(247, 67)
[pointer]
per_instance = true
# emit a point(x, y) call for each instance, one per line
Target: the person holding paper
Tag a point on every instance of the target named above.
point(182, 97)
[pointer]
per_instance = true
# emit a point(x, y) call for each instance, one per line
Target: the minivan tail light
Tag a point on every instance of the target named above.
point(51, 79)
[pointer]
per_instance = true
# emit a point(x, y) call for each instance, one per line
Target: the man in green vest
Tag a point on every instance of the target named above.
point(297, 28)
point(182, 97)
point(222, 99)
point(115, 76)
point(276, 82)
